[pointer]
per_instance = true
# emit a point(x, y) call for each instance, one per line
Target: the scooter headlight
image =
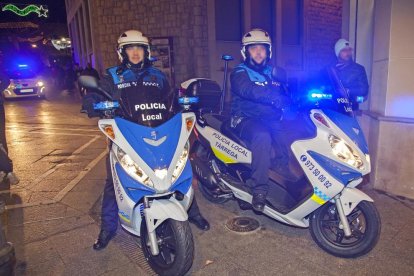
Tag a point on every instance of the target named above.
point(179, 167)
point(345, 152)
point(132, 168)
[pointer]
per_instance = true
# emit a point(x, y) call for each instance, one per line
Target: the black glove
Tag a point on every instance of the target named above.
point(87, 104)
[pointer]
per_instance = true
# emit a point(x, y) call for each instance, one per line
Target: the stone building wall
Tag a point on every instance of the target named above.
point(187, 22)
point(184, 20)
point(323, 25)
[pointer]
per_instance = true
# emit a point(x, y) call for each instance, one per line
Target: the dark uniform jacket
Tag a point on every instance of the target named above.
point(255, 94)
point(145, 94)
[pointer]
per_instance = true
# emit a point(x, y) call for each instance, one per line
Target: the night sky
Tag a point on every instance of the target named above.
point(57, 11)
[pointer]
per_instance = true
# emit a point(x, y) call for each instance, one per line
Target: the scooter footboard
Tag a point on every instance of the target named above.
point(351, 197)
point(162, 209)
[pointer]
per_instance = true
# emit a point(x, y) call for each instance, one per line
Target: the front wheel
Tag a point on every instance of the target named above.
point(176, 247)
point(365, 225)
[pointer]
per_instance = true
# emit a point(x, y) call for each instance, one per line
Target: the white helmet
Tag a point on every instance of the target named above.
point(256, 36)
point(341, 44)
point(132, 37)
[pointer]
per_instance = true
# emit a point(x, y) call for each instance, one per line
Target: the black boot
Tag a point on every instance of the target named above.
point(200, 222)
point(244, 205)
point(103, 239)
point(259, 202)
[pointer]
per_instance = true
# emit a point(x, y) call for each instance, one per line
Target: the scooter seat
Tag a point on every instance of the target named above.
point(214, 120)
point(228, 131)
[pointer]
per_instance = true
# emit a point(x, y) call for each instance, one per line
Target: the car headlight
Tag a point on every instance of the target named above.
point(132, 168)
point(179, 167)
point(345, 152)
point(40, 83)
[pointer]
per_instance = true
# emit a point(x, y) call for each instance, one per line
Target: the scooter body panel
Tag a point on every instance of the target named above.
point(146, 147)
point(322, 174)
point(224, 148)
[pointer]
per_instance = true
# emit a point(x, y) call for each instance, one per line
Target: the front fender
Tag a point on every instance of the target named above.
point(351, 197)
point(162, 209)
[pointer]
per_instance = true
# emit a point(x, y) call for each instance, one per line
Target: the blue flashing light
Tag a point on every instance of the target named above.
point(316, 94)
point(106, 105)
point(227, 57)
point(22, 65)
point(360, 99)
point(188, 100)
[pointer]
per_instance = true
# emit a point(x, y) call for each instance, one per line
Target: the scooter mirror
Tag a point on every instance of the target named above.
point(88, 82)
point(227, 57)
point(92, 83)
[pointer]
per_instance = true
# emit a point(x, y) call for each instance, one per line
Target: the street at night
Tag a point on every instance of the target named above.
point(206, 137)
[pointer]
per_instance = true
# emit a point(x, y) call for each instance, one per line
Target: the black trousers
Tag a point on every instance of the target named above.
point(109, 216)
point(5, 162)
point(261, 136)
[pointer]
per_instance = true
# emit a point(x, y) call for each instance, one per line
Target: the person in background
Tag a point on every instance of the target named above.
point(6, 164)
point(90, 71)
point(351, 74)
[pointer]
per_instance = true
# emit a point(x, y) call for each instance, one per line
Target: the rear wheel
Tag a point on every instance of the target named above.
point(176, 247)
point(365, 225)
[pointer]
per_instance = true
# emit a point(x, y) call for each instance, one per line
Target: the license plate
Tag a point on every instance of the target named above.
point(26, 90)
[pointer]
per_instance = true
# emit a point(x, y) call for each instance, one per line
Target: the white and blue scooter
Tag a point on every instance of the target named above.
point(152, 179)
point(327, 164)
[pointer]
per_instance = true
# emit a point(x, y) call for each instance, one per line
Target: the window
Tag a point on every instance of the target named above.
point(228, 16)
point(292, 16)
point(261, 15)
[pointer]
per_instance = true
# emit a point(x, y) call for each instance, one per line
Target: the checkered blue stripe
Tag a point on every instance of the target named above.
point(320, 194)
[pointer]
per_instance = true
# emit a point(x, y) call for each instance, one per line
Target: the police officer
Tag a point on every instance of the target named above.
point(258, 105)
point(352, 75)
point(134, 54)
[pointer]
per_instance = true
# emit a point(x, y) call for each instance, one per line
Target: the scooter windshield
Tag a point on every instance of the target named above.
point(326, 91)
point(146, 106)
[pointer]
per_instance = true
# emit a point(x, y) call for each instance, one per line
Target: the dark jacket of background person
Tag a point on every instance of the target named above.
point(354, 78)
point(6, 164)
point(90, 71)
point(4, 83)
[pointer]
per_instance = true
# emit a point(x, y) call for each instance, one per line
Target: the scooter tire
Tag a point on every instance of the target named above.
point(183, 243)
point(361, 247)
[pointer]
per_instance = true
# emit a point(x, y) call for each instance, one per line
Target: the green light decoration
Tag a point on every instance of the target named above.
point(40, 10)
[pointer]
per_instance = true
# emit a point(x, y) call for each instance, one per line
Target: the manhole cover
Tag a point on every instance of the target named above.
point(242, 224)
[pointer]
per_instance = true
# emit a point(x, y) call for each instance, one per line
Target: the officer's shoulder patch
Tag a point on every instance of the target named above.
point(112, 71)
